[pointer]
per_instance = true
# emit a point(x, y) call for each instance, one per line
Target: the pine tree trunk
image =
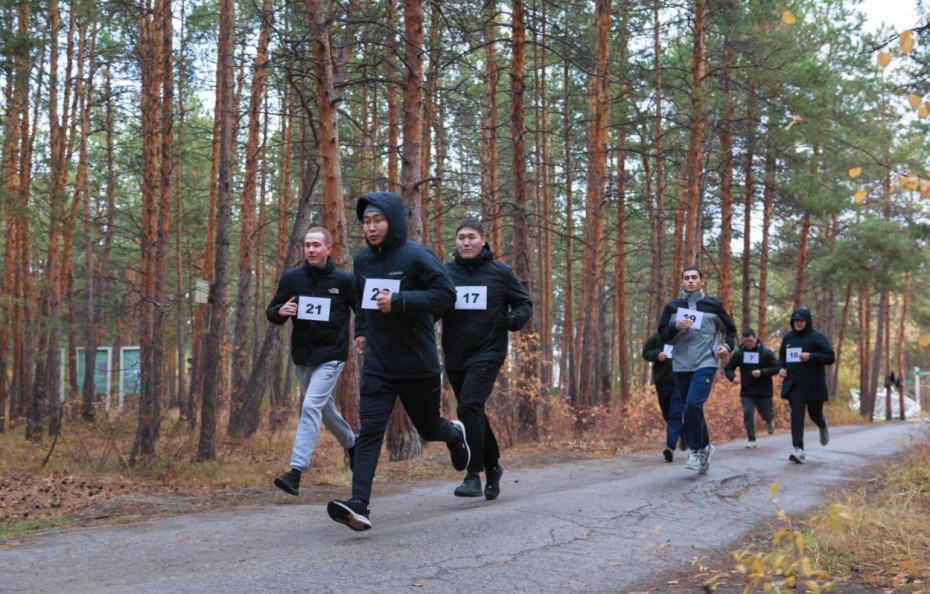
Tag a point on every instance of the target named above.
point(725, 287)
point(694, 164)
point(213, 344)
point(245, 404)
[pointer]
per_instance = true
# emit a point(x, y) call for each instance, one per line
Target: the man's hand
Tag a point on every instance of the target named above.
point(384, 301)
point(756, 373)
point(782, 372)
point(684, 323)
point(360, 345)
point(805, 357)
point(662, 356)
point(722, 352)
point(736, 380)
point(289, 309)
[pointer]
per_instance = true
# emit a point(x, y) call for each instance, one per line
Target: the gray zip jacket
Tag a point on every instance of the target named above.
point(694, 348)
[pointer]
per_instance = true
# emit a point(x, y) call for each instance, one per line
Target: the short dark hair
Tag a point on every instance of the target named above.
point(747, 332)
point(692, 267)
point(471, 223)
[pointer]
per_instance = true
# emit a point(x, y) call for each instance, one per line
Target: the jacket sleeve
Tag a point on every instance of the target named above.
point(437, 294)
point(521, 306)
point(769, 365)
point(667, 330)
point(281, 297)
point(359, 311)
point(729, 329)
point(729, 370)
point(782, 362)
point(823, 353)
point(652, 347)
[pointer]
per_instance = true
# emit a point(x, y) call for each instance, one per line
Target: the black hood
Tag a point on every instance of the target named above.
point(804, 314)
point(395, 211)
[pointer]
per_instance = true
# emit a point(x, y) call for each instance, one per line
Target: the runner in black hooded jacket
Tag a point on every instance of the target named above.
point(490, 301)
point(402, 289)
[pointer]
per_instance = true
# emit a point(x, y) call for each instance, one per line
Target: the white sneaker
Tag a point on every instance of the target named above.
point(694, 460)
point(705, 455)
point(751, 445)
point(798, 456)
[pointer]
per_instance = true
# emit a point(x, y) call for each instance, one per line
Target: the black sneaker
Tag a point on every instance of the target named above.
point(470, 487)
point(289, 482)
point(824, 433)
point(459, 450)
point(492, 482)
point(351, 512)
point(669, 454)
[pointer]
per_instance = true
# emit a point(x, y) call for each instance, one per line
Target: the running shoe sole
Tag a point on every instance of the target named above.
point(345, 515)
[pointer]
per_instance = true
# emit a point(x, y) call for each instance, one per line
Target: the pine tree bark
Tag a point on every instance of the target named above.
point(524, 386)
point(725, 287)
point(245, 405)
point(694, 164)
point(213, 344)
point(592, 273)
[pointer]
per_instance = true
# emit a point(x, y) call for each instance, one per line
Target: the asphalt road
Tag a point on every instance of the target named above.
point(592, 526)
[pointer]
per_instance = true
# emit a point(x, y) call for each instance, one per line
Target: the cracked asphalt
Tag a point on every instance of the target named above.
point(591, 526)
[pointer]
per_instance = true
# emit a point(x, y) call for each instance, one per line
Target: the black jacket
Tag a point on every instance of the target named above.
point(662, 374)
point(400, 344)
point(807, 380)
point(753, 387)
point(314, 342)
point(472, 336)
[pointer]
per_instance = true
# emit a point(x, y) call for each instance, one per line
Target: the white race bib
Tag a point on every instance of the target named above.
point(751, 358)
point(667, 349)
point(471, 298)
point(313, 308)
point(373, 288)
point(690, 314)
point(793, 355)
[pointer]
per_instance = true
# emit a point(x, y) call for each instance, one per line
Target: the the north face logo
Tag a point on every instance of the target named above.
point(334, 291)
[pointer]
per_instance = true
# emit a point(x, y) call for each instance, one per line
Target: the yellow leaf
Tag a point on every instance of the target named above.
point(788, 18)
point(860, 196)
point(924, 341)
point(855, 172)
point(924, 184)
point(884, 58)
point(924, 110)
point(799, 541)
point(782, 515)
point(909, 181)
point(914, 100)
point(774, 489)
point(812, 586)
point(906, 41)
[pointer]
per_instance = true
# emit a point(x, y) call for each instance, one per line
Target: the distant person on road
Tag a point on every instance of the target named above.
point(803, 354)
point(660, 354)
point(757, 365)
point(700, 332)
point(403, 288)
point(317, 297)
point(490, 302)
